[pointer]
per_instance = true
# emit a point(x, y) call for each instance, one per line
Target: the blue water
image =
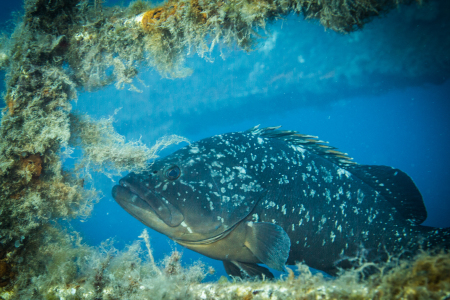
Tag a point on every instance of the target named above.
point(408, 129)
point(381, 95)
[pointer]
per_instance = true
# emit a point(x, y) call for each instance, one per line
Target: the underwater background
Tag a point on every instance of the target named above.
point(381, 94)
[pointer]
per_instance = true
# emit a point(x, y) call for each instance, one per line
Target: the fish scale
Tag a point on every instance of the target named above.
point(276, 197)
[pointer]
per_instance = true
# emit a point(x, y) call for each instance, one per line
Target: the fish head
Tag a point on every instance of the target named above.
point(196, 194)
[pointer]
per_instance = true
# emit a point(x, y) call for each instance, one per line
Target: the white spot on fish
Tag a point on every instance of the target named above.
point(240, 169)
point(348, 194)
point(299, 149)
point(302, 208)
point(341, 172)
point(255, 217)
point(187, 227)
point(216, 164)
point(194, 150)
point(359, 196)
point(328, 195)
point(133, 199)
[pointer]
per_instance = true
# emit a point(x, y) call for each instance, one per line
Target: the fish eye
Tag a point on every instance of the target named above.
point(173, 173)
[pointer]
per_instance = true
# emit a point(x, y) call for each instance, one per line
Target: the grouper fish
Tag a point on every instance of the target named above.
point(277, 197)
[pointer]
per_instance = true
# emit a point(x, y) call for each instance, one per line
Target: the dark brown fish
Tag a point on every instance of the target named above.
point(273, 197)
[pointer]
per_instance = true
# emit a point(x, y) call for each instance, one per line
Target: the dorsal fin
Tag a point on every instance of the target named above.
point(308, 142)
point(396, 187)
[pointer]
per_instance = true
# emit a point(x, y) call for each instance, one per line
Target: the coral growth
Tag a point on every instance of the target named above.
point(5, 273)
point(154, 16)
point(160, 14)
point(32, 165)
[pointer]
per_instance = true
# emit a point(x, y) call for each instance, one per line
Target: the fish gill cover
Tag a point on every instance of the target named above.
point(61, 48)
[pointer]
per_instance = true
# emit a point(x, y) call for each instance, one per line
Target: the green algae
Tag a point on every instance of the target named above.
point(62, 266)
point(63, 47)
point(66, 268)
point(105, 151)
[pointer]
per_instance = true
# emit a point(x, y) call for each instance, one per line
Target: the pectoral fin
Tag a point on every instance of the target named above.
point(269, 243)
point(240, 269)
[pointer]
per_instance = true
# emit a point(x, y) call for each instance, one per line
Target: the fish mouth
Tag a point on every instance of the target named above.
point(142, 203)
point(125, 197)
